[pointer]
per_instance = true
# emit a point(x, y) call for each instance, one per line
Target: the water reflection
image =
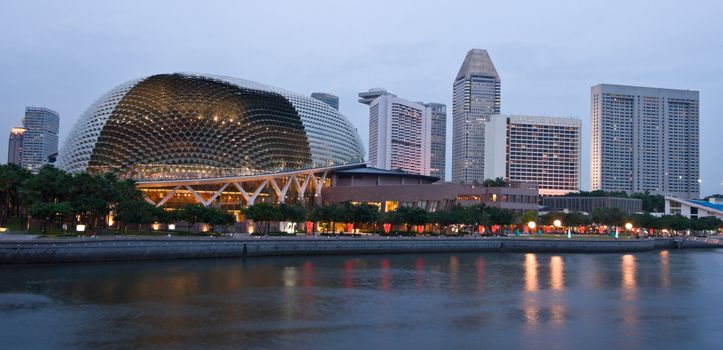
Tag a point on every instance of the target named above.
point(664, 269)
point(629, 275)
point(557, 274)
point(531, 272)
point(480, 268)
point(419, 267)
point(454, 271)
point(386, 274)
point(348, 274)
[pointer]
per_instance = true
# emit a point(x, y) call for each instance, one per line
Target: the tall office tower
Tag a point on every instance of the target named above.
point(645, 139)
point(331, 100)
point(400, 132)
point(438, 113)
point(476, 96)
point(40, 139)
point(15, 146)
point(541, 150)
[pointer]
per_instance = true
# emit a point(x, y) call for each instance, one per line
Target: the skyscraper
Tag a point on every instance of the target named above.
point(15, 146)
point(476, 96)
point(400, 133)
point(645, 139)
point(438, 113)
point(40, 139)
point(541, 150)
point(331, 100)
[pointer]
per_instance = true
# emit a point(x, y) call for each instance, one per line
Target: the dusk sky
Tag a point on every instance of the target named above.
point(65, 55)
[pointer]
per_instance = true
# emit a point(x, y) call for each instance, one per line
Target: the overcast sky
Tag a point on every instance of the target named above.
point(65, 55)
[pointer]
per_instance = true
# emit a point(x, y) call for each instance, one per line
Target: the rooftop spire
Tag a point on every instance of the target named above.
point(477, 63)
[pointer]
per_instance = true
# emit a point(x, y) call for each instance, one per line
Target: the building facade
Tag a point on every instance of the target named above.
point(589, 204)
point(438, 143)
point(40, 139)
point(645, 139)
point(534, 149)
point(400, 134)
point(15, 146)
point(694, 209)
point(475, 97)
point(331, 100)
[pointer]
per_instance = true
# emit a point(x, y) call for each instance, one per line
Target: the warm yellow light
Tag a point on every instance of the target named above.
point(531, 225)
point(557, 223)
point(3, 229)
point(80, 228)
point(629, 226)
point(156, 226)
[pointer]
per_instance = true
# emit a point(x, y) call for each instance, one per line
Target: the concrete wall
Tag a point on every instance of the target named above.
point(123, 249)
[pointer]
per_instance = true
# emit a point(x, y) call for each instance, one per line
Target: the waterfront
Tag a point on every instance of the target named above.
point(660, 299)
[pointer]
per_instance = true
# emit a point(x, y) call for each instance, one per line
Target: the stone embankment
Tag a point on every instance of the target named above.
point(162, 248)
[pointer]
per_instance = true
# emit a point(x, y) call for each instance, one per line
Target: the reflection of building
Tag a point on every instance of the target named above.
point(390, 189)
point(645, 139)
point(541, 150)
point(589, 204)
point(40, 139)
point(476, 96)
point(694, 208)
point(331, 100)
point(15, 146)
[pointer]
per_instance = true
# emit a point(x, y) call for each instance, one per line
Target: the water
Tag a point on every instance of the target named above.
point(654, 300)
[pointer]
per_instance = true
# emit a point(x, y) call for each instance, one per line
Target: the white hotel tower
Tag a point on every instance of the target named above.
point(645, 139)
point(541, 150)
point(400, 132)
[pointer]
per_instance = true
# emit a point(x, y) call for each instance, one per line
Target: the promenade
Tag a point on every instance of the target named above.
point(29, 250)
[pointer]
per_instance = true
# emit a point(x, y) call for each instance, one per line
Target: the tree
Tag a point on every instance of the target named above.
point(412, 216)
point(528, 216)
point(192, 214)
point(12, 178)
point(263, 213)
point(214, 217)
point(576, 219)
point(362, 214)
point(135, 212)
point(609, 216)
point(292, 212)
point(49, 212)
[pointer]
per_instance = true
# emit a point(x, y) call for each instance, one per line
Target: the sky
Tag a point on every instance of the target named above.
point(65, 54)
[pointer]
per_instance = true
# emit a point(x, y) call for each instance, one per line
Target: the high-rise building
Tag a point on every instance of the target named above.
point(645, 139)
point(331, 100)
point(400, 132)
point(535, 149)
point(438, 113)
point(40, 139)
point(15, 146)
point(476, 96)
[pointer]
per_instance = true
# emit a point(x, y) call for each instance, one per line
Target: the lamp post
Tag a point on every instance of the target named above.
point(532, 226)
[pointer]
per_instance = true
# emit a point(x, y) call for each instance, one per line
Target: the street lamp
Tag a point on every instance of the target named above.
point(629, 226)
point(557, 223)
point(531, 225)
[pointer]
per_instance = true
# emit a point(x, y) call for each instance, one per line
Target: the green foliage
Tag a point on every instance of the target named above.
point(608, 216)
point(263, 213)
point(528, 216)
point(497, 182)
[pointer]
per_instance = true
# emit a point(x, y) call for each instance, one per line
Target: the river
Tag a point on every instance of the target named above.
point(654, 300)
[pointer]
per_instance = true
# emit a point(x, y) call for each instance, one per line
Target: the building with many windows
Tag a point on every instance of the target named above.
point(645, 139)
point(534, 149)
point(438, 143)
point(40, 138)
point(476, 96)
point(400, 134)
point(15, 146)
point(331, 100)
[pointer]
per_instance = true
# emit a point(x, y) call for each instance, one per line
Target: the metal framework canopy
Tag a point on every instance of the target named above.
point(234, 193)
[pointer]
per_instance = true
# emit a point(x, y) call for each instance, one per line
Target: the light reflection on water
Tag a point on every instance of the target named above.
point(426, 301)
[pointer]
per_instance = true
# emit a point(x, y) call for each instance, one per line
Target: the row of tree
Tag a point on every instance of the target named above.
point(616, 217)
point(56, 197)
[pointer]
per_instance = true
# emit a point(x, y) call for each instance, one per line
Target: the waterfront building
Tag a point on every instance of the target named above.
point(399, 135)
point(15, 146)
point(694, 209)
point(645, 139)
point(40, 138)
point(438, 143)
point(534, 149)
point(475, 97)
point(589, 204)
point(389, 190)
point(331, 100)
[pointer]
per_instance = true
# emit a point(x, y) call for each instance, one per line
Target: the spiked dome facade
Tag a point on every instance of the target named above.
point(188, 126)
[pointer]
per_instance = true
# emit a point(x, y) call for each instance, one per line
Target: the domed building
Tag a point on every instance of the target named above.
point(214, 140)
point(184, 126)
